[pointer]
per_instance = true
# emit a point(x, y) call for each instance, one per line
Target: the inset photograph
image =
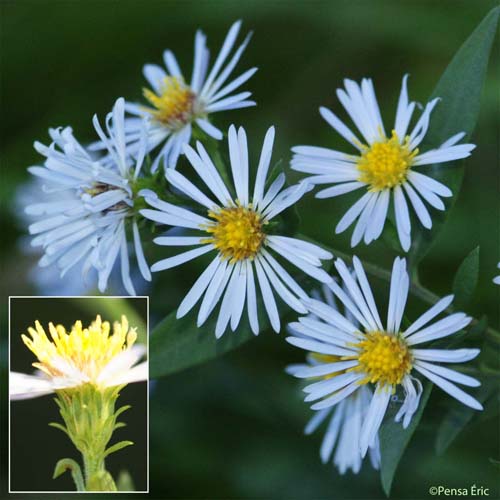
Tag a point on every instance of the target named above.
point(78, 390)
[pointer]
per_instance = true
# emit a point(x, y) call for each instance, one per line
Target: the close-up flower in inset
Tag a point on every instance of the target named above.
point(238, 229)
point(86, 368)
point(87, 219)
point(100, 355)
point(386, 357)
point(346, 418)
point(384, 166)
point(175, 106)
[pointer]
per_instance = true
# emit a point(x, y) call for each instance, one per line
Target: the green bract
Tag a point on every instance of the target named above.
point(90, 419)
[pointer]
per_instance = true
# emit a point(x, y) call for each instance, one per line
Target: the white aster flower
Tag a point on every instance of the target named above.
point(384, 167)
point(176, 106)
point(346, 418)
point(386, 357)
point(496, 280)
point(235, 229)
point(82, 356)
point(87, 224)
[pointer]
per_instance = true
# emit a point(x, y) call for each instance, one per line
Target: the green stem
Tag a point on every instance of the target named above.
point(92, 465)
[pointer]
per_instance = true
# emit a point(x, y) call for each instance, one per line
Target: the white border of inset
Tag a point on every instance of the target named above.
point(147, 389)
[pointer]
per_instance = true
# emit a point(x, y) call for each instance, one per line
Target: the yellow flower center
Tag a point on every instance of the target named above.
point(88, 350)
point(236, 232)
point(385, 164)
point(384, 358)
point(174, 106)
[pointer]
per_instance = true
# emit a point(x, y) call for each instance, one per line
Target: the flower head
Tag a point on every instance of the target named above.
point(237, 229)
point(94, 355)
point(384, 166)
point(175, 106)
point(342, 435)
point(88, 221)
point(496, 280)
point(383, 356)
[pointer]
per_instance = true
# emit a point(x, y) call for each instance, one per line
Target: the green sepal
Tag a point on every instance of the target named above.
point(121, 410)
point(117, 446)
point(60, 427)
point(76, 473)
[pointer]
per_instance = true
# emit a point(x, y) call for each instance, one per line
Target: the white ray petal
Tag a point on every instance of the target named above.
point(451, 389)
point(181, 258)
point(430, 314)
point(373, 418)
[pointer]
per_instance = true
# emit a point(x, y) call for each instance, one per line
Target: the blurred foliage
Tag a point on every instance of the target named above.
point(233, 428)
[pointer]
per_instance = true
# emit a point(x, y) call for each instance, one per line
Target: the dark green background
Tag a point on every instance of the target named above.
point(233, 428)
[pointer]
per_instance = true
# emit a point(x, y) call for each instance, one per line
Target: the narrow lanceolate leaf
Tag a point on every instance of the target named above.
point(176, 344)
point(465, 281)
point(459, 416)
point(460, 91)
point(394, 439)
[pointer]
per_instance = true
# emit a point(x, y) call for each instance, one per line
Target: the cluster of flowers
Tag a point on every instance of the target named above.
point(102, 194)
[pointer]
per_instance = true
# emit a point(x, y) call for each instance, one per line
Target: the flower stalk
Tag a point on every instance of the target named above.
point(90, 419)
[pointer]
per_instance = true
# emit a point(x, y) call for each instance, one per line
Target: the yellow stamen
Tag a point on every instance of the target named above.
point(384, 358)
point(175, 103)
point(88, 350)
point(237, 232)
point(386, 164)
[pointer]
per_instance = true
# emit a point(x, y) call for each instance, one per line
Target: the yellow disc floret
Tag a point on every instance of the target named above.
point(175, 103)
point(384, 358)
point(385, 164)
point(87, 350)
point(236, 232)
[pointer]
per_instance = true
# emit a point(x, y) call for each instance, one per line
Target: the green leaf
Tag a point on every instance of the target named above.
point(76, 473)
point(176, 344)
point(458, 417)
point(394, 439)
point(465, 281)
point(460, 91)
